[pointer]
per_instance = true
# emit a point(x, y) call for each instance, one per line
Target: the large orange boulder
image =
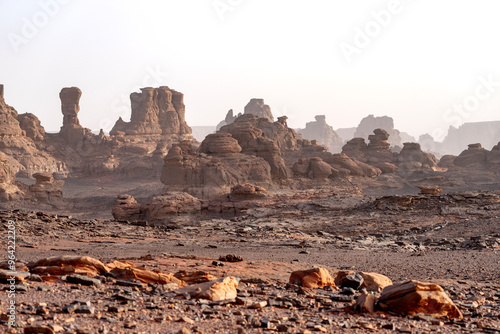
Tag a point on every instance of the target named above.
point(312, 278)
point(412, 297)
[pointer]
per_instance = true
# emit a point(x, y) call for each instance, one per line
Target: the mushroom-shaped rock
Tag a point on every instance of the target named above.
point(126, 208)
point(312, 278)
point(412, 297)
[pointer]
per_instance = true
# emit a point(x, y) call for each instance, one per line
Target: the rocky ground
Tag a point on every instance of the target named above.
point(450, 239)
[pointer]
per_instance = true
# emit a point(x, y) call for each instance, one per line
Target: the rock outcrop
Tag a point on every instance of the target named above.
point(155, 111)
point(370, 123)
point(71, 129)
point(8, 190)
point(259, 137)
point(378, 154)
point(258, 108)
point(322, 132)
point(486, 133)
point(412, 158)
point(213, 171)
point(46, 189)
point(475, 155)
point(21, 140)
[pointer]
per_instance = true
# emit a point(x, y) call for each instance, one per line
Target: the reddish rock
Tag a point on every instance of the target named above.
point(219, 143)
point(323, 133)
point(161, 208)
point(71, 130)
point(220, 289)
point(247, 191)
point(412, 297)
point(312, 278)
point(473, 156)
point(46, 189)
point(412, 158)
point(155, 111)
point(126, 208)
point(8, 191)
point(32, 127)
point(257, 107)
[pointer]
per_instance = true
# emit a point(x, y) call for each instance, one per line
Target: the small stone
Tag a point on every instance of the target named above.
point(83, 280)
point(184, 330)
point(260, 304)
point(186, 320)
point(38, 330)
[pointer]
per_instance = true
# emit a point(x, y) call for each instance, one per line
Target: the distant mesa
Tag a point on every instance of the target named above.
point(370, 123)
point(486, 133)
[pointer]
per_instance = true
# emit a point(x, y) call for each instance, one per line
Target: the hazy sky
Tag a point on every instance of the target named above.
point(412, 60)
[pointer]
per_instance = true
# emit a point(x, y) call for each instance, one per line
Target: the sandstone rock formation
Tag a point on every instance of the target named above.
point(8, 190)
point(258, 108)
point(412, 158)
point(71, 129)
point(163, 207)
point(30, 124)
point(322, 132)
point(214, 170)
point(312, 278)
point(259, 137)
point(473, 156)
point(220, 289)
point(17, 135)
point(486, 133)
point(46, 189)
point(155, 111)
point(370, 123)
point(412, 297)
point(126, 208)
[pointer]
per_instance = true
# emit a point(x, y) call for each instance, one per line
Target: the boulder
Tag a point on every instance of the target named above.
point(312, 278)
point(163, 207)
point(373, 282)
point(32, 127)
point(46, 189)
point(8, 190)
point(210, 176)
point(220, 289)
point(412, 297)
point(126, 208)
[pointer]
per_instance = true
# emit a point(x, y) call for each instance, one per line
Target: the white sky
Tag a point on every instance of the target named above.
point(426, 59)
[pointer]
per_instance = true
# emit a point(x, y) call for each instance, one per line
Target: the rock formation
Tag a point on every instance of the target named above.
point(8, 190)
point(214, 170)
point(323, 133)
point(46, 189)
point(71, 129)
point(473, 156)
point(259, 137)
point(412, 158)
point(370, 123)
point(257, 107)
point(155, 111)
point(377, 153)
point(18, 134)
point(486, 133)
